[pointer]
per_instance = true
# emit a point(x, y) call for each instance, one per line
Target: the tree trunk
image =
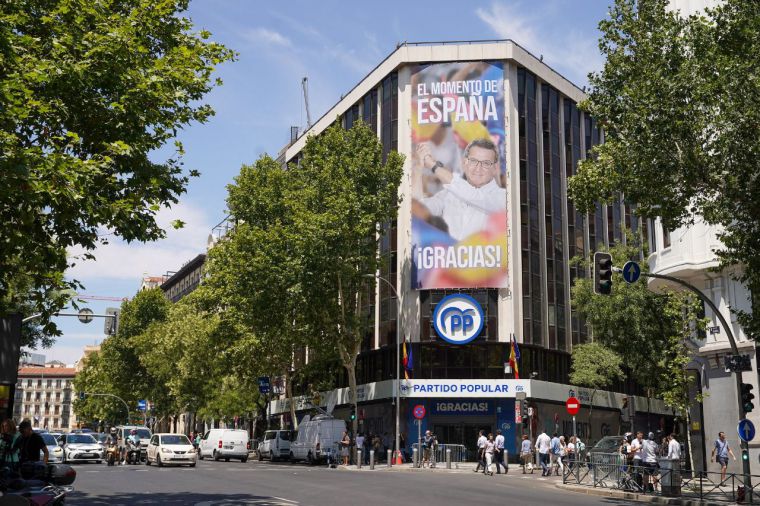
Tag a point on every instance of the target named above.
point(351, 369)
point(289, 396)
point(688, 441)
point(590, 411)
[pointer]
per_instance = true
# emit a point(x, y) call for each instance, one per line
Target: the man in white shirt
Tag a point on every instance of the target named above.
point(481, 448)
point(674, 448)
point(499, 445)
point(466, 203)
point(543, 446)
point(360, 445)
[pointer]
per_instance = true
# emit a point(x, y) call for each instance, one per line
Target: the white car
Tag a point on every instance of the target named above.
point(81, 448)
point(170, 449)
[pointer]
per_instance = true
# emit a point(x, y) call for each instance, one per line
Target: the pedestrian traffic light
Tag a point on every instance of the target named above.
point(747, 397)
point(353, 414)
point(602, 273)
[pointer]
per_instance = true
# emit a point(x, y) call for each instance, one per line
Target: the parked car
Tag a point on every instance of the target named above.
point(170, 449)
point(144, 433)
point(224, 444)
point(55, 452)
point(275, 445)
point(80, 448)
point(317, 438)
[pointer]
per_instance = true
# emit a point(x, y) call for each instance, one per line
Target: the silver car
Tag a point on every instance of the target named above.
point(81, 448)
point(55, 452)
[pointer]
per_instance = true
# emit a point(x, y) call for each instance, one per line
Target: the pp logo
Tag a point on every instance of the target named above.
point(458, 319)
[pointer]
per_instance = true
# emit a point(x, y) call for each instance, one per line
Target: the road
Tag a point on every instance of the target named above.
point(282, 484)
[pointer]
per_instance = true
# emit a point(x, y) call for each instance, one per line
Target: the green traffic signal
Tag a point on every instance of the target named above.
point(747, 396)
point(602, 273)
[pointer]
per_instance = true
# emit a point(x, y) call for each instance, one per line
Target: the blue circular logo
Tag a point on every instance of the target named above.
point(458, 318)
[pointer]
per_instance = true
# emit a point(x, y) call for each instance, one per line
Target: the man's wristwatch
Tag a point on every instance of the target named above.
point(435, 166)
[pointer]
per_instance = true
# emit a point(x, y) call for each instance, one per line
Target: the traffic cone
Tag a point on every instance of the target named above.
point(399, 460)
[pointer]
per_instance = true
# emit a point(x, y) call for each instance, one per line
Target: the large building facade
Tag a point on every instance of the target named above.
point(430, 102)
point(43, 396)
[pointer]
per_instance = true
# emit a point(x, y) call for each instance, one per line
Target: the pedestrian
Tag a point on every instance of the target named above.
point(377, 446)
point(8, 454)
point(345, 442)
point(500, 451)
point(649, 462)
point(488, 451)
point(554, 455)
point(674, 447)
point(360, 446)
point(366, 448)
point(723, 450)
point(561, 456)
point(637, 452)
point(427, 445)
point(543, 447)
point(570, 456)
point(30, 444)
point(526, 454)
point(481, 445)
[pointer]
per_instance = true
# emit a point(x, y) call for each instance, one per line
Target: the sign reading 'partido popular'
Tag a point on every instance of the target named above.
point(458, 318)
point(459, 176)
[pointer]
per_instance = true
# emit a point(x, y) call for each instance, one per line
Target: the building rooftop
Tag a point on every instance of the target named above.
point(47, 371)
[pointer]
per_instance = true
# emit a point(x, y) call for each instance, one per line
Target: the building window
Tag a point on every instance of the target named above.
point(28, 383)
point(49, 383)
point(39, 383)
point(369, 112)
point(389, 115)
point(351, 116)
point(57, 383)
point(388, 270)
point(665, 237)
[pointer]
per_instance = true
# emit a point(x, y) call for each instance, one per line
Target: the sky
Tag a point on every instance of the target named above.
point(335, 44)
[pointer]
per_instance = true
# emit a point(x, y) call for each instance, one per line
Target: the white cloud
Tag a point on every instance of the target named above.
point(130, 261)
point(267, 37)
point(573, 53)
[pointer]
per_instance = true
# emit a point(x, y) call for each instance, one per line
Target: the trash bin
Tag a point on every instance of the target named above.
point(670, 477)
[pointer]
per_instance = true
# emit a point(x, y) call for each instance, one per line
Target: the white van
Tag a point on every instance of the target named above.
point(316, 437)
point(274, 445)
point(224, 444)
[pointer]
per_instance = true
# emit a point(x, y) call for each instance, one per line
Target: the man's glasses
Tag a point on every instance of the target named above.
point(486, 164)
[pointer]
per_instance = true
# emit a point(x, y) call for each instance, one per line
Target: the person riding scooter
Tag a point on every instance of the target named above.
point(112, 450)
point(133, 447)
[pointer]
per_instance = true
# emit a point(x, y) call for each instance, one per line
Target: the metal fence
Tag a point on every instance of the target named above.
point(613, 471)
point(458, 453)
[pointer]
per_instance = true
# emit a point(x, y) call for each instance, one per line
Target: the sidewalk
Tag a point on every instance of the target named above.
point(456, 467)
point(632, 496)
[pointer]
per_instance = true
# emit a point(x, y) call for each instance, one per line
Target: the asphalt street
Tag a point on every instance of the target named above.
point(283, 484)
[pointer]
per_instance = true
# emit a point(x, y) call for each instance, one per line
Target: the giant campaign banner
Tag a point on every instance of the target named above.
point(459, 193)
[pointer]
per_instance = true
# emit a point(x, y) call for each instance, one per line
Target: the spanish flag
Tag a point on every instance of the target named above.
point(514, 356)
point(408, 362)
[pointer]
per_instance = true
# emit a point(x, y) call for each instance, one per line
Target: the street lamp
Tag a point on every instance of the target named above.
point(398, 356)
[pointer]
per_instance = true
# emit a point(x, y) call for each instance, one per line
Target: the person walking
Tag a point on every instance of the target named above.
point(561, 456)
point(345, 443)
point(488, 451)
point(649, 462)
point(427, 445)
point(554, 455)
point(543, 448)
point(481, 445)
point(526, 454)
point(499, 453)
point(674, 447)
point(723, 450)
point(8, 453)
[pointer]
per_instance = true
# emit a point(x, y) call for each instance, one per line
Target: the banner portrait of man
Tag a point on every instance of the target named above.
point(459, 192)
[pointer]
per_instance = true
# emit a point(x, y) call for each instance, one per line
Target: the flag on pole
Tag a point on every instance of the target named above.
point(408, 362)
point(514, 356)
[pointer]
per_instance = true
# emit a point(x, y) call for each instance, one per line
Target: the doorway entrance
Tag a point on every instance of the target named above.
point(462, 433)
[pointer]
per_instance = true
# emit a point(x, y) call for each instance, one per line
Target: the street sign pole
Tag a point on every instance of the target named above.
point(574, 433)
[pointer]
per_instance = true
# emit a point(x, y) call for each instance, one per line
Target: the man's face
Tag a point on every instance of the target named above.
point(722, 436)
point(476, 166)
point(26, 431)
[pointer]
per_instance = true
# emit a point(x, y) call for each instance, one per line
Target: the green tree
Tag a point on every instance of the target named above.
point(596, 367)
point(345, 192)
point(679, 99)
point(89, 91)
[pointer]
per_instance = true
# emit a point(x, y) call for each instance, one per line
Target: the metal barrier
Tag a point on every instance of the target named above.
point(439, 456)
point(612, 471)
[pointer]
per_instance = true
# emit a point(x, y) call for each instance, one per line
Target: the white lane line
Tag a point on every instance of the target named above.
point(283, 499)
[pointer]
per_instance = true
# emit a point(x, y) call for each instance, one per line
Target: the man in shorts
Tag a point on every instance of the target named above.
point(722, 450)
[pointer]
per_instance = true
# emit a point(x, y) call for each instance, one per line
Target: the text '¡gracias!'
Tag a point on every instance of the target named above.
point(460, 101)
point(458, 257)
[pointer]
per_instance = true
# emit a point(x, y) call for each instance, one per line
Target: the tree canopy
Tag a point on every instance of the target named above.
point(679, 100)
point(88, 92)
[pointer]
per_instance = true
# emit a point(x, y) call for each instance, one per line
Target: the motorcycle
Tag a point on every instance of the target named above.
point(112, 454)
point(133, 452)
point(38, 483)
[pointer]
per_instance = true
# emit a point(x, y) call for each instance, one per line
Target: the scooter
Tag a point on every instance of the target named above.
point(133, 453)
point(40, 484)
point(112, 454)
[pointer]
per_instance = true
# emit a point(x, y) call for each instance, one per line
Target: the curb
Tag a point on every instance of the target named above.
point(404, 468)
point(631, 496)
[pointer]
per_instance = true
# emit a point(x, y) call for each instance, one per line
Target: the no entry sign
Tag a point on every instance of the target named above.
point(419, 412)
point(573, 406)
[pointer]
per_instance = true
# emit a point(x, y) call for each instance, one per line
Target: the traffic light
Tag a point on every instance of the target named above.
point(353, 414)
point(747, 397)
point(111, 324)
point(82, 396)
point(602, 273)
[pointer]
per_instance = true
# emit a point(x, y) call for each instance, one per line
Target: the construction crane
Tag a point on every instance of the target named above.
point(305, 86)
point(82, 296)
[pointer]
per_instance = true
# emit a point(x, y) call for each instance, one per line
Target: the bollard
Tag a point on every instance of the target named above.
point(389, 461)
point(358, 459)
point(415, 457)
point(448, 458)
point(372, 459)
